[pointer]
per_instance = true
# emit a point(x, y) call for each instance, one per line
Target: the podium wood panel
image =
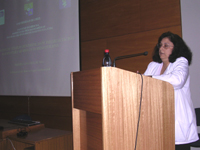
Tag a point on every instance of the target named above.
point(106, 109)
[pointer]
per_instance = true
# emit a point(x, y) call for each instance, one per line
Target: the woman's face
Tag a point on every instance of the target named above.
point(166, 48)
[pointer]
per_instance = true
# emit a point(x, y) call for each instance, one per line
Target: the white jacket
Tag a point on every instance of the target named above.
point(177, 74)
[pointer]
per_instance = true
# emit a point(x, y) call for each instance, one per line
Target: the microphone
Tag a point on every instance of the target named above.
point(128, 56)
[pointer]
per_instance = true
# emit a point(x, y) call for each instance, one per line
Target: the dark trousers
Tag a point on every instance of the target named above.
point(182, 147)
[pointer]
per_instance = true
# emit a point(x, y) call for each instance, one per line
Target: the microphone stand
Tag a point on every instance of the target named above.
point(128, 56)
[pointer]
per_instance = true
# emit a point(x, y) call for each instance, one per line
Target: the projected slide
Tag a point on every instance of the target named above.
point(39, 46)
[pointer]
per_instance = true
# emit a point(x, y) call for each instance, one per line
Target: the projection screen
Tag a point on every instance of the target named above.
point(39, 46)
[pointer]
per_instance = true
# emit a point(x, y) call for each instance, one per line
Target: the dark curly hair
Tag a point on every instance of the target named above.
point(180, 48)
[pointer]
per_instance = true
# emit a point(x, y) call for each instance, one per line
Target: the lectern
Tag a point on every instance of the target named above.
point(115, 109)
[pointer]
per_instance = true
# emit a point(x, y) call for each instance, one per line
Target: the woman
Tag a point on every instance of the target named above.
point(171, 60)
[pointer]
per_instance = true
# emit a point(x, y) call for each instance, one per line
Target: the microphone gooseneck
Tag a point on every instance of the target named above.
point(128, 56)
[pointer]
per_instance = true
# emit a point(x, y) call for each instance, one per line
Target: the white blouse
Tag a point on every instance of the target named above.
point(177, 74)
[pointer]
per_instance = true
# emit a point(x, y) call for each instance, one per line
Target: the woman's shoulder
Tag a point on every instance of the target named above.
point(153, 64)
point(181, 60)
point(152, 67)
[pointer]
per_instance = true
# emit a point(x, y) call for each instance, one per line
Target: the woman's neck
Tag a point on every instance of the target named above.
point(164, 67)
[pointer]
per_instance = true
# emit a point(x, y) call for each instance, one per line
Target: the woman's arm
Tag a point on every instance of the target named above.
point(178, 75)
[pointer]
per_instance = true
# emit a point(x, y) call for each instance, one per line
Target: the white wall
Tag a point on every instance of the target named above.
point(190, 12)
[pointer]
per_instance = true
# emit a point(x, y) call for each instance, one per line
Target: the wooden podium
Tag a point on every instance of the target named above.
point(106, 107)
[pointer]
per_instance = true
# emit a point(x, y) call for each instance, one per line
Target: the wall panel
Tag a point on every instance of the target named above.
point(156, 14)
point(54, 112)
point(108, 18)
point(12, 106)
